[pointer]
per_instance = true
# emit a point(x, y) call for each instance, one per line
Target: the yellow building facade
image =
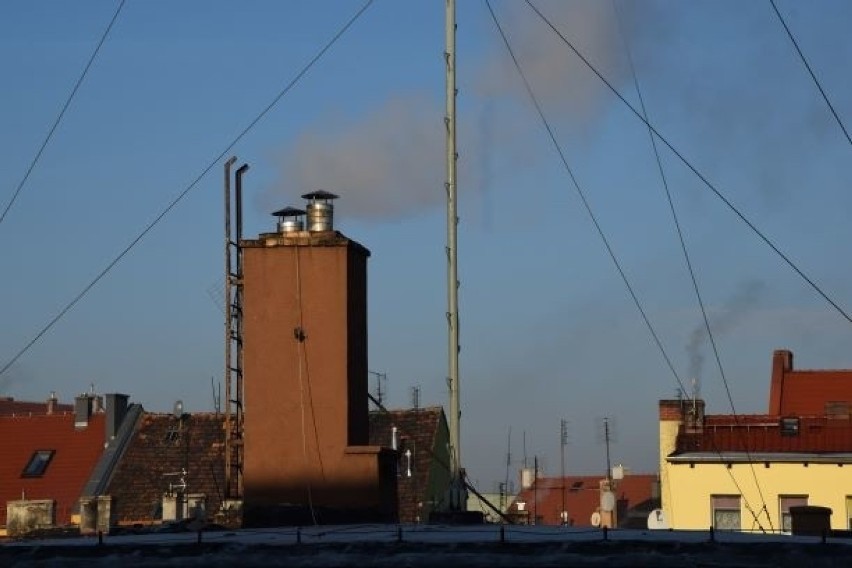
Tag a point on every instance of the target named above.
point(744, 473)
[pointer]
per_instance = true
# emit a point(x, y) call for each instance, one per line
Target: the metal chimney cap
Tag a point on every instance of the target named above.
point(288, 212)
point(320, 194)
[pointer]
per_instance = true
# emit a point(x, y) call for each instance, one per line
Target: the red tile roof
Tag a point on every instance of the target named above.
point(582, 498)
point(806, 392)
point(77, 453)
point(11, 407)
point(819, 401)
point(763, 434)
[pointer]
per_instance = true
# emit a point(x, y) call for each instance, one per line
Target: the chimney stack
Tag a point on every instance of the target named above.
point(82, 410)
point(52, 401)
point(116, 410)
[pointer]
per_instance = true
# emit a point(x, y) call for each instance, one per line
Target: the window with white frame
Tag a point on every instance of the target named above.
point(726, 512)
point(785, 502)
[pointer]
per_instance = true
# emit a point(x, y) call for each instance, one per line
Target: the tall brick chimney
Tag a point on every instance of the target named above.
point(306, 422)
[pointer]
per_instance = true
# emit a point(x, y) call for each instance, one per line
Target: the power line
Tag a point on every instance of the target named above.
point(188, 188)
point(686, 257)
point(811, 71)
point(582, 195)
point(62, 112)
point(694, 170)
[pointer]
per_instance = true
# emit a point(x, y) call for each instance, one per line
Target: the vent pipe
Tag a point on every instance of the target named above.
point(290, 220)
point(320, 210)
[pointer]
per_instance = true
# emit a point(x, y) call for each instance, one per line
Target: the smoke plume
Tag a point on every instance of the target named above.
point(745, 298)
point(389, 163)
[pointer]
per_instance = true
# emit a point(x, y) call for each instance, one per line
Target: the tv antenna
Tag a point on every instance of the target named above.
point(381, 385)
point(415, 397)
point(606, 434)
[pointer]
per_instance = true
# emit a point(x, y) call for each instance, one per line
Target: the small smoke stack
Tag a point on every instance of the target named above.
point(52, 401)
point(290, 220)
point(394, 438)
point(320, 210)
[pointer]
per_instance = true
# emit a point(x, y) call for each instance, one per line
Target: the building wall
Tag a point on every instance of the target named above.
point(670, 418)
point(305, 369)
point(687, 503)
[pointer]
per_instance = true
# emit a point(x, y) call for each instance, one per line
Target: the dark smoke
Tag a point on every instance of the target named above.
point(745, 298)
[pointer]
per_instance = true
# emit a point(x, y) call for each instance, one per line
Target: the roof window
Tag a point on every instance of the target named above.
point(789, 426)
point(38, 463)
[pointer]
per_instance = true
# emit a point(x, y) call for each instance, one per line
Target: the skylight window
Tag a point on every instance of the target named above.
point(789, 426)
point(38, 463)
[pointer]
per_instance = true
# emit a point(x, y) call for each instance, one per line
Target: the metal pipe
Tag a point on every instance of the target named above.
point(228, 331)
point(239, 198)
point(238, 309)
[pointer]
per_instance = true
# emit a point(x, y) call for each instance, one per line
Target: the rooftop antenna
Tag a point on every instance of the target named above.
point(415, 397)
point(508, 459)
point(525, 449)
point(563, 441)
point(607, 434)
point(217, 395)
point(457, 491)
point(381, 385)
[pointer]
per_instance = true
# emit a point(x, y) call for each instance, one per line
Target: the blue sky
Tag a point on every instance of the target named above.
point(548, 328)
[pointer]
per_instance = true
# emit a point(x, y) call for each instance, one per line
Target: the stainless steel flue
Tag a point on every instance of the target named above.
point(320, 210)
point(290, 220)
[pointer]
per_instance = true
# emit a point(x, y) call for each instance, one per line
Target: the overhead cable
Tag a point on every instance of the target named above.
point(694, 170)
point(582, 196)
point(61, 113)
point(811, 72)
point(189, 187)
point(686, 257)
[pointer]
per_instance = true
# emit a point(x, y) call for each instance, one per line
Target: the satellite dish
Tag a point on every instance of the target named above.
point(596, 519)
point(607, 501)
point(618, 472)
point(657, 520)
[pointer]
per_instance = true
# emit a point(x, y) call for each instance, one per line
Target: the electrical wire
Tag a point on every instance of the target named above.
point(582, 196)
point(61, 112)
point(810, 71)
point(683, 247)
point(694, 170)
point(189, 187)
point(591, 214)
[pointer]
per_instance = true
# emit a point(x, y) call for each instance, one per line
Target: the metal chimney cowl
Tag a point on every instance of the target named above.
point(320, 210)
point(290, 220)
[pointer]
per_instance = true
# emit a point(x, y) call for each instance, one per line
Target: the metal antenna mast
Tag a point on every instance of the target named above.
point(457, 502)
point(606, 441)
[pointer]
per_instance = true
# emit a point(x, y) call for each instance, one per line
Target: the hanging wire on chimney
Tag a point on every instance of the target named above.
point(304, 70)
point(300, 348)
point(61, 113)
